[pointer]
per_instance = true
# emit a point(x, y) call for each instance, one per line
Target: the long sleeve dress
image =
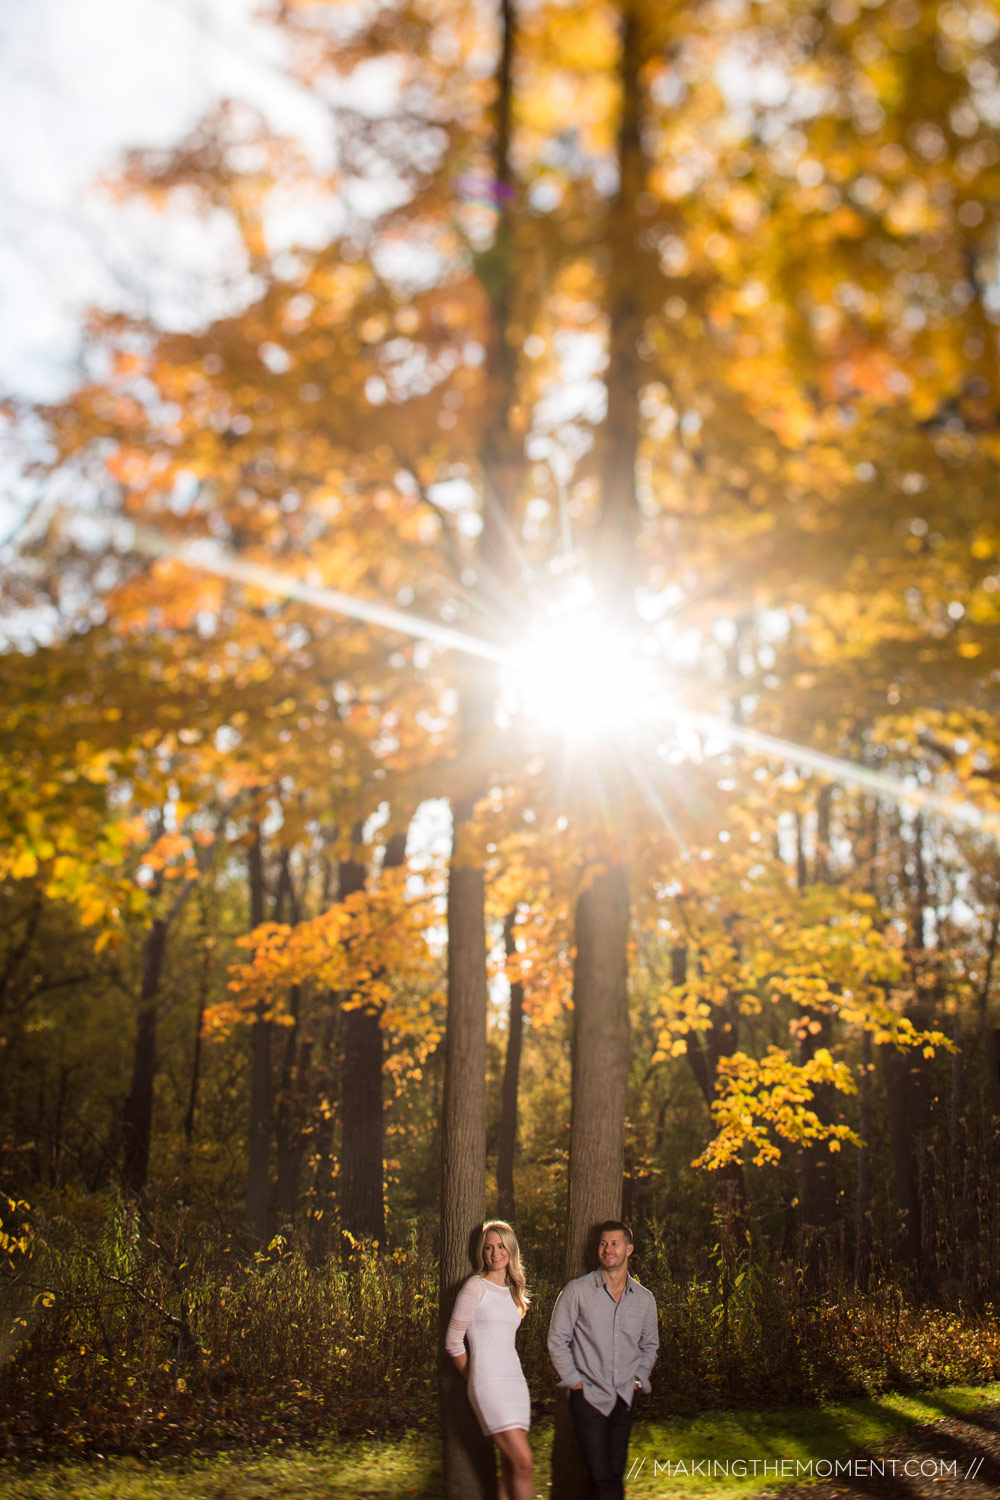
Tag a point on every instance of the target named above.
point(486, 1317)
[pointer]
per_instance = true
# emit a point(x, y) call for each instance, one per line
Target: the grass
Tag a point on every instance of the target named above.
point(351, 1471)
point(380, 1470)
point(829, 1431)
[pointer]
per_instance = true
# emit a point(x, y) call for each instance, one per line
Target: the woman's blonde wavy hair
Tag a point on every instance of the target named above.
point(515, 1274)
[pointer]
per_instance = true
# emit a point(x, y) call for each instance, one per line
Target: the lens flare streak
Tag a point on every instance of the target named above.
point(209, 557)
point(963, 814)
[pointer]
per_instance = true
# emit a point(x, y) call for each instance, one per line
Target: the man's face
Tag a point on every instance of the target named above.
point(614, 1250)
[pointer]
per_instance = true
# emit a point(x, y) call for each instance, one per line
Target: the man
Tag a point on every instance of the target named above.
point(603, 1340)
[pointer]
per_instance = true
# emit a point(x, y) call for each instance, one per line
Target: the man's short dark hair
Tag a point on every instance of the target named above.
point(616, 1226)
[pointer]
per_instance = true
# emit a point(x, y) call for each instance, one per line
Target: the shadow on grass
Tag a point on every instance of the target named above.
point(409, 1469)
point(742, 1453)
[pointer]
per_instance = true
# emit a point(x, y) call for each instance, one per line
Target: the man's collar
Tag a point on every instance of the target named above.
point(600, 1282)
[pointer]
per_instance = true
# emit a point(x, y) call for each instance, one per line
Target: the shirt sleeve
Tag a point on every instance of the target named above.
point(649, 1342)
point(465, 1304)
point(560, 1343)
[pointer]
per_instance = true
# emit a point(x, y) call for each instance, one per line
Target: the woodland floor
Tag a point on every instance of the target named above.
point(971, 1441)
point(959, 1425)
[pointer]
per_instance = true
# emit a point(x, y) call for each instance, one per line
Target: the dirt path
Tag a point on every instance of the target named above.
point(954, 1458)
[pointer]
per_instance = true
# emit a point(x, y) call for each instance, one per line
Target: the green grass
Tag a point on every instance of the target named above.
point(352, 1471)
point(380, 1470)
point(822, 1432)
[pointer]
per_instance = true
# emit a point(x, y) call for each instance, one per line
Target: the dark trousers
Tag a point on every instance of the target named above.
point(603, 1443)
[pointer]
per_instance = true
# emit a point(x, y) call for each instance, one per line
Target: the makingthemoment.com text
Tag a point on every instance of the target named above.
point(805, 1468)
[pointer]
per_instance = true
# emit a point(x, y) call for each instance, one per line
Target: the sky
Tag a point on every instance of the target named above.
point(81, 81)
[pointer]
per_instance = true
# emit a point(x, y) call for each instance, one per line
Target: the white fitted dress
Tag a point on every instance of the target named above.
point(487, 1318)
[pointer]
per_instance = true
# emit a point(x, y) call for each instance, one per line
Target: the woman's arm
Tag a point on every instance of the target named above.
point(454, 1339)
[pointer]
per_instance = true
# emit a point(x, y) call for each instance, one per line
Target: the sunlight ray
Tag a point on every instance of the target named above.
point(960, 812)
point(208, 556)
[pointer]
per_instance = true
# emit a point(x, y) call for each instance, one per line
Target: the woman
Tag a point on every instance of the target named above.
point(487, 1315)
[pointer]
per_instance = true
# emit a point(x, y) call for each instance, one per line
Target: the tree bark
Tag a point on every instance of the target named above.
point(863, 1197)
point(990, 1037)
point(261, 1121)
point(469, 1465)
point(362, 1133)
point(507, 1143)
point(929, 1268)
point(199, 1026)
point(600, 976)
point(292, 1086)
point(600, 1062)
point(817, 1182)
point(896, 1076)
point(137, 1117)
point(330, 1077)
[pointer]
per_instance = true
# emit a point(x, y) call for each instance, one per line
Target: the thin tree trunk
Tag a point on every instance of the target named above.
point(287, 1110)
point(704, 1051)
point(817, 1183)
point(325, 1093)
point(261, 1121)
point(199, 1026)
point(958, 1149)
point(929, 1267)
point(289, 1140)
point(330, 1077)
point(863, 1199)
point(507, 1144)
point(896, 1076)
point(137, 1119)
point(990, 1038)
point(362, 1131)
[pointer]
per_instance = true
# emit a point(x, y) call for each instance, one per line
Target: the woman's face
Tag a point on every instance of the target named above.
point(495, 1257)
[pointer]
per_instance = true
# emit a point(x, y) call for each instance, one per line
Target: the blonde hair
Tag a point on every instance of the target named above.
point(514, 1274)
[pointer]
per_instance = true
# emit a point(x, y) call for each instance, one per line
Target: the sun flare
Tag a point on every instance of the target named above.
point(579, 676)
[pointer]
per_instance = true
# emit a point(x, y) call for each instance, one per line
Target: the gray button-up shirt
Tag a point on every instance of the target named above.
point(603, 1345)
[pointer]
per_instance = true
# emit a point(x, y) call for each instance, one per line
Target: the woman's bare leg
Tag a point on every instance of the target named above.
point(515, 1465)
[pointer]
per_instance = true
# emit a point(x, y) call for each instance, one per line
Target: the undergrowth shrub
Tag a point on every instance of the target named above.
point(153, 1336)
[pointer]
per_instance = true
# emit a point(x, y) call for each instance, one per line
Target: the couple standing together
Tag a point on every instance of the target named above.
point(602, 1340)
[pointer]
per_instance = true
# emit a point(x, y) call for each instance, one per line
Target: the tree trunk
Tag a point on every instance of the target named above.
point(929, 1270)
point(704, 1051)
point(137, 1116)
point(600, 976)
point(896, 1076)
point(990, 1038)
point(199, 1026)
point(822, 862)
point(469, 1465)
point(817, 1182)
point(325, 1092)
point(329, 1073)
point(261, 1121)
point(600, 1062)
point(362, 1150)
point(292, 1084)
point(863, 1200)
point(293, 1075)
point(597, 1120)
point(507, 1144)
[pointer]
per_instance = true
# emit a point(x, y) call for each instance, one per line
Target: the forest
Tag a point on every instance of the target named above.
point(499, 715)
